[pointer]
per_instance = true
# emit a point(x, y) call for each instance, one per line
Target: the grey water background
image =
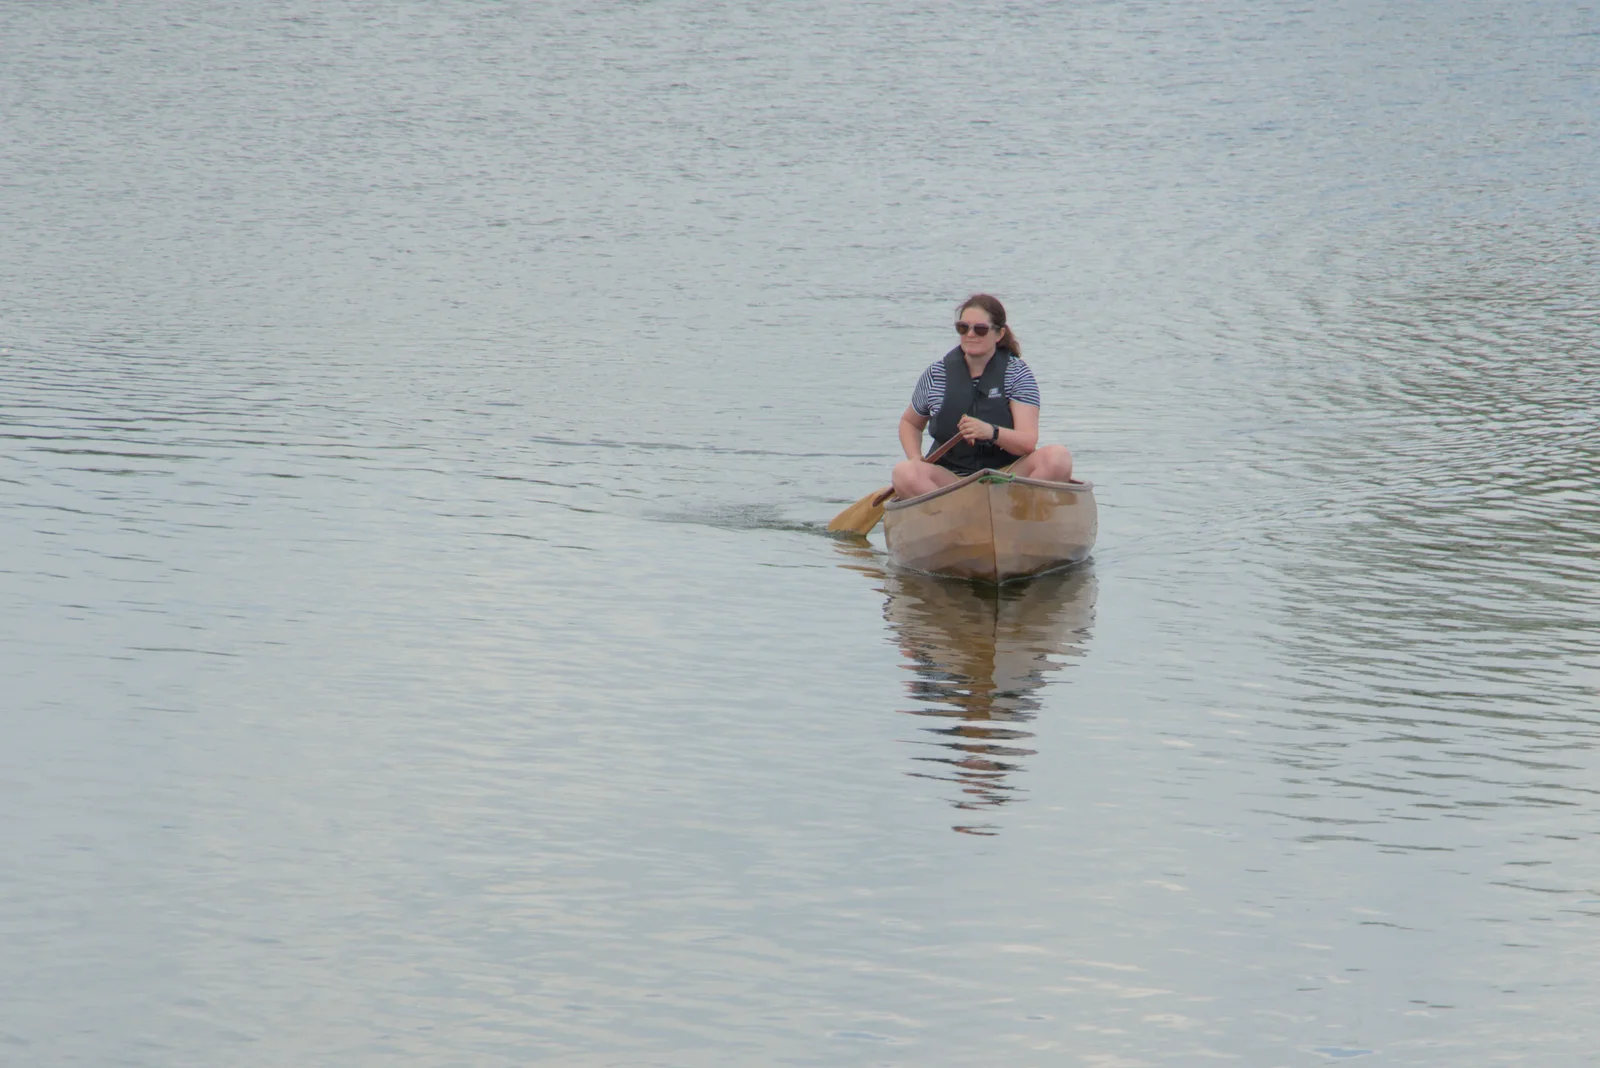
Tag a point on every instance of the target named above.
point(417, 423)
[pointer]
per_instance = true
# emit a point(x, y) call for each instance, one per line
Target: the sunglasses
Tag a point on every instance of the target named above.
point(978, 329)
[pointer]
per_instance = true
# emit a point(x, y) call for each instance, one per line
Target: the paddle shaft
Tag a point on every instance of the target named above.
point(938, 454)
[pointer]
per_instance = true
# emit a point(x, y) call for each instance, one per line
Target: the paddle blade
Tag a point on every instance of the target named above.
point(861, 516)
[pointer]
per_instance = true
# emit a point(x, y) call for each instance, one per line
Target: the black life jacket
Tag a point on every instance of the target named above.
point(982, 398)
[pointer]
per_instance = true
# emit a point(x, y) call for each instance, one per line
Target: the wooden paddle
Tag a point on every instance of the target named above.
point(863, 515)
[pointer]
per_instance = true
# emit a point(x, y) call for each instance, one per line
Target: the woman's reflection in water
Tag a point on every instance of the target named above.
point(980, 655)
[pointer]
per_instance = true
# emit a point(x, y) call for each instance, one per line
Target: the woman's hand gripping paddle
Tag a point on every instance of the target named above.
point(862, 516)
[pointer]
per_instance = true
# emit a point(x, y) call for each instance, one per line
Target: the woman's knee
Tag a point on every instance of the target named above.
point(913, 478)
point(1053, 463)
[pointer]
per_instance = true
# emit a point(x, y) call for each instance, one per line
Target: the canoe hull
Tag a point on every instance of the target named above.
point(993, 527)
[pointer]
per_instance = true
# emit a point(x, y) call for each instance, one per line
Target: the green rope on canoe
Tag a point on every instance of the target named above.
point(986, 479)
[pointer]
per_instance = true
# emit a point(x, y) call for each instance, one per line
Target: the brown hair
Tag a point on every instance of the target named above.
point(997, 316)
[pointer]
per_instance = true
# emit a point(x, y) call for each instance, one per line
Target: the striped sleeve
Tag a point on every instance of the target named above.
point(929, 394)
point(1020, 385)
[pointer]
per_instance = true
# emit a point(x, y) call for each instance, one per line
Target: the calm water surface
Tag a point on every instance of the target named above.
point(417, 425)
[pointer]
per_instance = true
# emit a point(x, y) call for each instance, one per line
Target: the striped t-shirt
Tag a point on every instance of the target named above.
point(928, 397)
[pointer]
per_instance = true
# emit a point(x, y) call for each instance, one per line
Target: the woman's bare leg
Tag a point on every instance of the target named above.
point(913, 478)
point(1053, 463)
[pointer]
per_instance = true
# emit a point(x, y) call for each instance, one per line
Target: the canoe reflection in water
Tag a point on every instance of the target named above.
point(980, 654)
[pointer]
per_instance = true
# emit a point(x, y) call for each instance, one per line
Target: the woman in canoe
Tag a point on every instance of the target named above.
point(983, 392)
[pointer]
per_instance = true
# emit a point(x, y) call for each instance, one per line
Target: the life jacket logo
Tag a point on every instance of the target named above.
point(994, 393)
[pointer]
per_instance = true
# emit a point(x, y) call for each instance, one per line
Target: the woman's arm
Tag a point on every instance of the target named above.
point(1023, 437)
point(911, 427)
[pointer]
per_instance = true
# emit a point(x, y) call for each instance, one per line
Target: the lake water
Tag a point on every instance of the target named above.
point(421, 647)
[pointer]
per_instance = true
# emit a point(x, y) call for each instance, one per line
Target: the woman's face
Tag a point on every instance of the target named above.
point(972, 345)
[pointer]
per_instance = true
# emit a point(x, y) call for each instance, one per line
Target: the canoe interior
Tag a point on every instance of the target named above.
point(993, 527)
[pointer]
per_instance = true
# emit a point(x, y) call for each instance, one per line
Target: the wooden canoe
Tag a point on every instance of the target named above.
point(992, 527)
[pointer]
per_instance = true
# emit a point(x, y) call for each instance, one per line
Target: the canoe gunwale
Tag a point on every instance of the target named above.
point(895, 504)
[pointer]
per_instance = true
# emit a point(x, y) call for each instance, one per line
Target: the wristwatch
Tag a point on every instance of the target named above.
point(995, 437)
